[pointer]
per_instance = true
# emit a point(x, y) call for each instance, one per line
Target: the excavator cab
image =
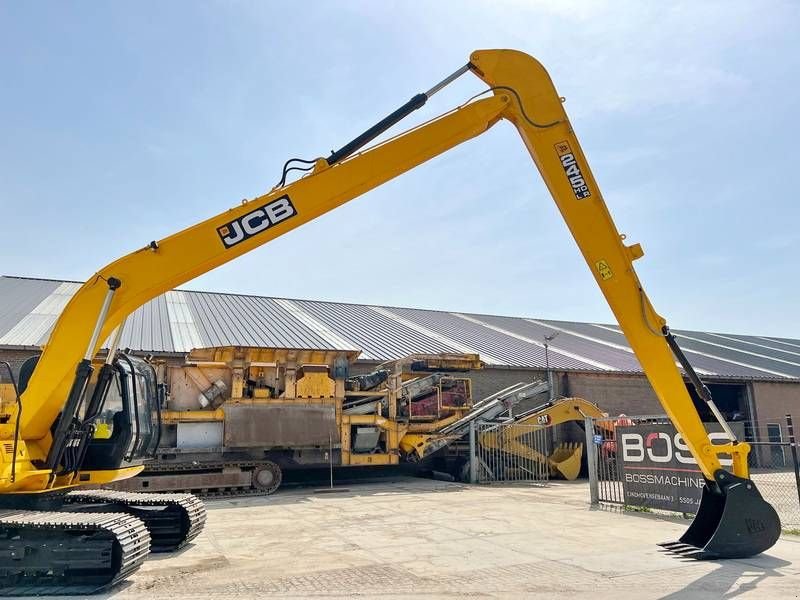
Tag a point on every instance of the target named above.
point(116, 421)
point(127, 425)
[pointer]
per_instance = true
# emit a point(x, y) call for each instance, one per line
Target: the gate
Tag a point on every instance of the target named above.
point(508, 453)
point(605, 481)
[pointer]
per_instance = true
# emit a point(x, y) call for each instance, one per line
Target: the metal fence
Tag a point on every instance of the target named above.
point(508, 452)
point(774, 461)
point(605, 482)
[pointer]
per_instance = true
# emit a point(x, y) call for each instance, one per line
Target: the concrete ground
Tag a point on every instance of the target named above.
point(780, 490)
point(416, 538)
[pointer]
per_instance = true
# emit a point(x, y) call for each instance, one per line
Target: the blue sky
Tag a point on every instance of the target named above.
point(122, 123)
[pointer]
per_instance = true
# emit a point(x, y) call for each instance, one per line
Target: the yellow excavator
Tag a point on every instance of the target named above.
point(510, 437)
point(55, 537)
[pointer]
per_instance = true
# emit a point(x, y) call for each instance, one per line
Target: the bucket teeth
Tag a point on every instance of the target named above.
point(681, 550)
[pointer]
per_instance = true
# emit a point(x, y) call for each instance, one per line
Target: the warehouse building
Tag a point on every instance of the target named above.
point(753, 378)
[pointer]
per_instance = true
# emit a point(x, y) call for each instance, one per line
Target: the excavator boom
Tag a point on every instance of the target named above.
point(733, 519)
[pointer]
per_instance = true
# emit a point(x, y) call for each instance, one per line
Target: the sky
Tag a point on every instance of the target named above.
point(125, 122)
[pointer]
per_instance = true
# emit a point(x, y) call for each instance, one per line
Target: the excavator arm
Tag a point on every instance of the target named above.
point(523, 94)
point(566, 458)
point(560, 411)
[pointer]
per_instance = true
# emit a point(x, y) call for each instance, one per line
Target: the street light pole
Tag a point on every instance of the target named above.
point(547, 340)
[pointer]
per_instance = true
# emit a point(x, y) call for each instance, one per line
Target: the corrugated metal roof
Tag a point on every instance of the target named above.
point(744, 343)
point(784, 341)
point(374, 333)
point(17, 299)
point(773, 362)
point(709, 362)
point(536, 329)
point(149, 328)
point(182, 319)
point(320, 328)
point(235, 320)
point(37, 324)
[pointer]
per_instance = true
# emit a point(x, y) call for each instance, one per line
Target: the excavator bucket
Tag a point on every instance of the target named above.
point(733, 521)
point(566, 460)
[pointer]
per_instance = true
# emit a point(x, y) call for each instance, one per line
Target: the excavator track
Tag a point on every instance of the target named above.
point(232, 491)
point(62, 553)
point(173, 520)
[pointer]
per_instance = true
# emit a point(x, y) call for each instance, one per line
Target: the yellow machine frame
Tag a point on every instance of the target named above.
point(522, 94)
point(518, 82)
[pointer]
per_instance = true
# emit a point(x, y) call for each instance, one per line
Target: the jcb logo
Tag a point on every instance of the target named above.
point(660, 447)
point(256, 221)
point(543, 419)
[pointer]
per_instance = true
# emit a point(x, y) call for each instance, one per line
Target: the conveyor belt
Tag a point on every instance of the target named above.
point(491, 407)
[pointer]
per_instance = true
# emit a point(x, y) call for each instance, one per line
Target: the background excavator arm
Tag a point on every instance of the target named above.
point(566, 458)
point(524, 95)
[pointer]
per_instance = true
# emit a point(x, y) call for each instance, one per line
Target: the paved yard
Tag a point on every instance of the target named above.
point(416, 538)
point(780, 490)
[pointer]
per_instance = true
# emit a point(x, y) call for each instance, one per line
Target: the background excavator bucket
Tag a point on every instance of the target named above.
point(566, 460)
point(733, 521)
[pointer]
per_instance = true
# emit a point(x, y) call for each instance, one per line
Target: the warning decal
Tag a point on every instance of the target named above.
point(604, 270)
